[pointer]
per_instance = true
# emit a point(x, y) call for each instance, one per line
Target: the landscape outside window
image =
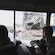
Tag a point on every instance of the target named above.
point(28, 25)
point(52, 22)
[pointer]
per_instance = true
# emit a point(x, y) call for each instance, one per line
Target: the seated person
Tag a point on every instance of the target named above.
point(49, 47)
point(6, 46)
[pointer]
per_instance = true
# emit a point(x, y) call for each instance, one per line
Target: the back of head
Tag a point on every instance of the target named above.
point(3, 35)
point(48, 30)
point(3, 31)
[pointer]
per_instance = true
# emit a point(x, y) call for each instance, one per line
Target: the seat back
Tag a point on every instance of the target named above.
point(23, 50)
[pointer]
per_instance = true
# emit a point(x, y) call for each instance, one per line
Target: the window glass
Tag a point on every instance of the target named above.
point(52, 22)
point(6, 19)
point(29, 26)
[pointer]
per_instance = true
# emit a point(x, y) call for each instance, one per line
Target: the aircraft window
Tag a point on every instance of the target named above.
point(52, 22)
point(7, 18)
point(29, 25)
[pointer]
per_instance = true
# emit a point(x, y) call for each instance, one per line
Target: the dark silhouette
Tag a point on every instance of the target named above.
point(6, 46)
point(49, 41)
point(4, 40)
point(43, 46)
point(23, 50)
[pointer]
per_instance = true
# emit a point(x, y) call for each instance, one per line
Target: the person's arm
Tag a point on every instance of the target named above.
point(51, 50)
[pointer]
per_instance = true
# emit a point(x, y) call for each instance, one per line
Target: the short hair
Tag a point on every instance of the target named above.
point(3, 31)
point(48, 30)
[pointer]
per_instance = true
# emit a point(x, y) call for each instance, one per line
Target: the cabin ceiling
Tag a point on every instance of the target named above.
point(28, 5)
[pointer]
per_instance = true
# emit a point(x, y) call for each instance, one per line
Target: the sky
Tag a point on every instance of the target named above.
point(19, 17)
point(7, 17)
